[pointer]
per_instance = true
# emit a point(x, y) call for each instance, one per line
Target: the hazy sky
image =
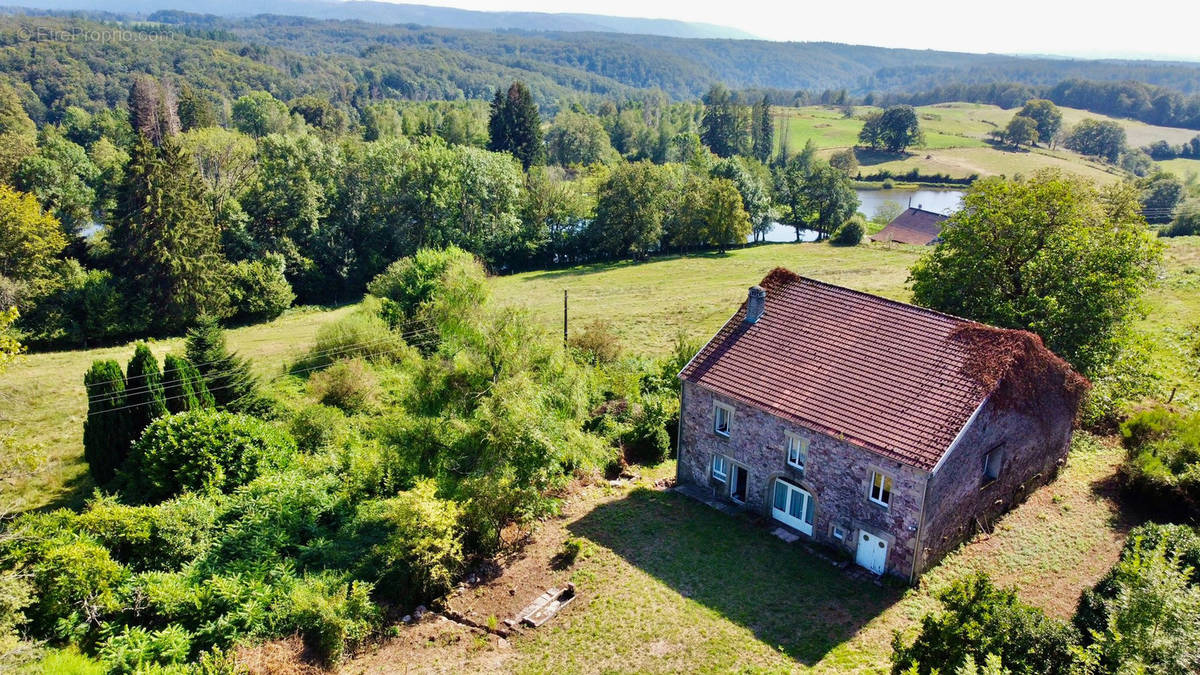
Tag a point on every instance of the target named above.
point(1096, 28)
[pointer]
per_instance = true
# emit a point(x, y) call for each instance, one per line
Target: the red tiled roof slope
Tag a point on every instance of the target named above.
point(914, 226)
point(881, 374)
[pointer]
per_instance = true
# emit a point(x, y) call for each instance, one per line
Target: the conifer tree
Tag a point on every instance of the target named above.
point(165, 236)
point(106, 436)
point(144, 395)
point(183, 386)
point(515, 126)
point(763, 130)
point(227, 376)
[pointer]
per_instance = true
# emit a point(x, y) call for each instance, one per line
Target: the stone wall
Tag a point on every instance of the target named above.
point(961, 500)
point(837, 475)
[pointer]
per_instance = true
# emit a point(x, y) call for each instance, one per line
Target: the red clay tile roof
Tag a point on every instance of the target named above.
point(914, 226)
point(881, 374)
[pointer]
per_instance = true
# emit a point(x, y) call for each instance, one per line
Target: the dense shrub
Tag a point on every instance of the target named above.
point(75, 579)
point(317, 426)
point(1148, 613)
point(183, 386)
point(360, 335)
point(977, 619)
point(135, 649)
point(1182, 541)
point(106, 433)
point(258, 290)
point(597, 343)
point(1162, 464)
point(203, 451)
point(1186, 221)
point(16, 595)
point(850, 233)
point(423, 552)
point(333, 615)
point(413, 282)
point(648, 440)
point(348, 385)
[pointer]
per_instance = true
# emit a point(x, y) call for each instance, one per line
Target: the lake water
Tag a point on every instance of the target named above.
point(869, 201)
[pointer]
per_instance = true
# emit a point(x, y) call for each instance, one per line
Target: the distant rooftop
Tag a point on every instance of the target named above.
point(914, 226)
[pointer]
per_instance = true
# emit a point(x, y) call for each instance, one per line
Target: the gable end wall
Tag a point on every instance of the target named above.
point(960, 501)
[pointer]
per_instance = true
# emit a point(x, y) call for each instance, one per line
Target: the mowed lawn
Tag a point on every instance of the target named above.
point(956, 141)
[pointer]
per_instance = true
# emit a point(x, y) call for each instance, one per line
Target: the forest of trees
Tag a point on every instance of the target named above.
point(136, 219)
point(353, 64)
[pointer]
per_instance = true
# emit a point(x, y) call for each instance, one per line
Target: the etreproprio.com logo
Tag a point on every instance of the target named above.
point(79, 34)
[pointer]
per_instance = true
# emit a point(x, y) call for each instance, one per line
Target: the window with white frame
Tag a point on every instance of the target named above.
point(992, 462)
point(720, 468)
point(722, 417)
point(797, 451)
point(881, 488)
point(839, 533)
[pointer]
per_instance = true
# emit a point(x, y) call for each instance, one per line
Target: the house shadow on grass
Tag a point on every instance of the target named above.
point(789, 598)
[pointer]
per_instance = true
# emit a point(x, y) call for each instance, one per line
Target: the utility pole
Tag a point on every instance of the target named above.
point(564, 317)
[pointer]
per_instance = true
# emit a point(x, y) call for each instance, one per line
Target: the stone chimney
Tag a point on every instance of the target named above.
point(756, 304)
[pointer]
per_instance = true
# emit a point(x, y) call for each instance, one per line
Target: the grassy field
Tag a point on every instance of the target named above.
point(43, 405)
point(648, 304)
point(955, 141)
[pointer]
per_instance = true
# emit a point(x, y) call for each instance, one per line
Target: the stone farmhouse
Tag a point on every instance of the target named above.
point(884, 430)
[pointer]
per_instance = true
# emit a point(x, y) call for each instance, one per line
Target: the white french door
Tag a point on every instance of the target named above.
point(793, 507)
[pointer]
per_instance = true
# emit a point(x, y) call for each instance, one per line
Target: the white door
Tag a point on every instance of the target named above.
point(792, 506)
point(872, 552)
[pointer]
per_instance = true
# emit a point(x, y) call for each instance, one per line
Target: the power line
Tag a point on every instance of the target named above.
point(402, 326)
point(420, 343)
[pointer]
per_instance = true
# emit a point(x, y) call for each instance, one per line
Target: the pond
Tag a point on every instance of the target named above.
point(869, 201)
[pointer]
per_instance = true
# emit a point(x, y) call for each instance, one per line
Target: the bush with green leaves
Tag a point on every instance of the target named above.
point(850, 233)
point(183, 386)
point(203, 451)
point(414, 281)
point(597, 343)
point(977, 619)
point(1162, 465)
point(362, 334)
point(317, 426)
point(348, 385)
point(1148, 614)
point(133, 649)
point(1180, 541)
point(423, 552)
point(258, 290)
point(333, 615)
point(76, 581)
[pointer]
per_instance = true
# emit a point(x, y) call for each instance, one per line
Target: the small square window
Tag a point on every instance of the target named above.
point(839, 533)
point(881, 488)
point(797, 451)
point(992, 462)
point(720, 468)
point(722, 416)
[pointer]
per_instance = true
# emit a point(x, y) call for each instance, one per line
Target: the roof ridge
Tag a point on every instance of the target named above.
point(871, 296)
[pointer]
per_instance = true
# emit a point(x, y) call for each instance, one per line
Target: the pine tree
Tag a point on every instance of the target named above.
point(183, 386)
point(165, 236)
point(763, 131)
point(106, 437)
point(144, 394)
point(226, 376)
point(515, 126)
